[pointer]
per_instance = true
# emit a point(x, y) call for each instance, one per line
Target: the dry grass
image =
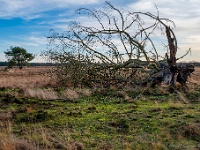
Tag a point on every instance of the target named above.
point(37, 82)
point(192, 131)
point(176, 105)
point(50, 94)
point(28, 77)
point(195, 77)
point(10, 142)
point(40, 77)
point(75, 93)
point(47, 94)
point(37, 138)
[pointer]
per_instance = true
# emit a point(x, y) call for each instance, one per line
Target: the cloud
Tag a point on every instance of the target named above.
point(37, 40)
point(25, 8)
point(20, 43)
point(185, 14)
point(31, 17)
point(33, 42)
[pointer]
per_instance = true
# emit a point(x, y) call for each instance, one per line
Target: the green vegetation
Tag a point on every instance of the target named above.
point(18, 56)
point(104, 121)
point(123, 112)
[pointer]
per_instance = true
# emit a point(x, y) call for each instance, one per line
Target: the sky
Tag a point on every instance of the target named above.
point(26, 23)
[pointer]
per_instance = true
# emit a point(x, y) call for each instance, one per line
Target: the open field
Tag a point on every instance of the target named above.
point(196, 77)
point(103, 119)
point(28, 77)
point(40, 77)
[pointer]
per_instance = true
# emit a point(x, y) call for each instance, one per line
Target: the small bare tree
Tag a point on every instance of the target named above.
point(118, 48)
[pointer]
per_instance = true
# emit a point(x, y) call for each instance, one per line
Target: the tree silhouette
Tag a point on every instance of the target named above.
point(120, 40)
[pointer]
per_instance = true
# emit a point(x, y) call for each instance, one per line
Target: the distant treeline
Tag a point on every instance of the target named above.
point(197, 64)
point(30, 64)
point(53, 64)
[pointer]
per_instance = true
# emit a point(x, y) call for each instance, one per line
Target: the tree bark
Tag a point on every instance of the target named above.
point(172, 60)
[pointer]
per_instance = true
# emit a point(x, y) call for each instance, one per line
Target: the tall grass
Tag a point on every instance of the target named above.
point(37, 138)
point(30, 77)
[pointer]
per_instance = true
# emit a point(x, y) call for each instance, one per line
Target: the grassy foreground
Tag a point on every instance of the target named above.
point(106, 120)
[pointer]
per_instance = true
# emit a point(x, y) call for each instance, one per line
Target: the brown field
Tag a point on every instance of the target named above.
point(28, 77)
point(195, 77)
point(36, 82)
point(40, 77)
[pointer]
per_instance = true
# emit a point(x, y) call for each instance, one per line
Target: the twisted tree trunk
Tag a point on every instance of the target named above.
point(172, 60)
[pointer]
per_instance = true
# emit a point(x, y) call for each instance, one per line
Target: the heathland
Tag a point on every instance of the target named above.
point(35, 113)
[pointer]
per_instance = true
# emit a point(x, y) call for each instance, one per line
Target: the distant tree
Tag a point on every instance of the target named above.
point(18, 56)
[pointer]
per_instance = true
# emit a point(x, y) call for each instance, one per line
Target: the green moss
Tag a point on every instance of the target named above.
point(107, 121)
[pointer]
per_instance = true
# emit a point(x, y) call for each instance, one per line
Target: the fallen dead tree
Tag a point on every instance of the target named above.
point(119, 50)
